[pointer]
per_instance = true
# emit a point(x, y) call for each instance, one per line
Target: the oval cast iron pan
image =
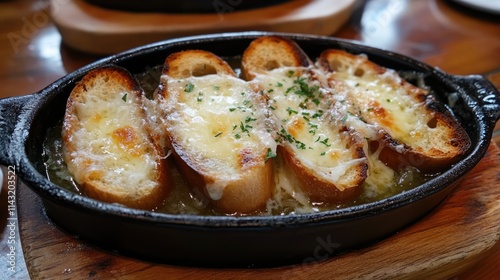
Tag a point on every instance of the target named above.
point(237, 241)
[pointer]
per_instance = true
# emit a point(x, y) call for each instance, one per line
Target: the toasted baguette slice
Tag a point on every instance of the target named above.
point(218, 131)
point(106, 144)
point(327, 158)
point(271, 52)
point(413, 131)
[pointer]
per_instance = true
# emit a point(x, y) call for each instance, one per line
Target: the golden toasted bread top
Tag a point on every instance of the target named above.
point(107, 146)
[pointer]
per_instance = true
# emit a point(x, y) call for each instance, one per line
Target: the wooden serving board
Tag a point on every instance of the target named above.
point(463, 230)
point(97, 30)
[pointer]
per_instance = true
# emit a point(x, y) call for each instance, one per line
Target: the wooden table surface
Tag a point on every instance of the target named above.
point(441, 33)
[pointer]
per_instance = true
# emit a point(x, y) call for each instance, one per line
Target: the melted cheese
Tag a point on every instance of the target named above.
point(220, 123)
point(380, 177)
point(108, 147)
point(301, 107)
point(381, 100)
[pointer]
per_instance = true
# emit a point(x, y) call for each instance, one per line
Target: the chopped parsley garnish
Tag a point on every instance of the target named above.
point(318, 114)
point(301, 87)
point(300, 145)
point(286, 135)
point(270, 154)
point(313, 125)
point(325, 142)
point(124, 97)
point(344, 119)
point(245, 128)
point(291, 111)
point(218, 134)
point(249, 119)
point(189, 87)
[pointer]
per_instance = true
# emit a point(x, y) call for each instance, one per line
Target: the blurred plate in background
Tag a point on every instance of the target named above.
point(184, 6)
point(491, 6)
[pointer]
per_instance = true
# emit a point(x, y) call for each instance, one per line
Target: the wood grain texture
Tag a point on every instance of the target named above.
point(457, 235)
point(96, 30)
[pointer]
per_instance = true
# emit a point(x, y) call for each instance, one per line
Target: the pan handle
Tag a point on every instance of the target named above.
point(483, 93)
point(11, 110)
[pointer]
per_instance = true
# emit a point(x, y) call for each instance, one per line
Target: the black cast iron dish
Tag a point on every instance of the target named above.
point(237, 241)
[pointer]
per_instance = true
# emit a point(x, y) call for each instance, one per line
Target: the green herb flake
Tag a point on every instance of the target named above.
point(325, 142)
point(291, 111)
point(286, 135)
point(300, 145)
point(344, 119)
point(244, 128)
point(218, 134)
point(189, 87)
point(124, 97)
point(270, 154)
point(317, 114)
point(249, 119)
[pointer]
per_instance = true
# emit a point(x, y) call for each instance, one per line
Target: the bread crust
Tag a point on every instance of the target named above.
point(449, 141)
point(250, 191)
point(271, 52)
point(87, 165)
